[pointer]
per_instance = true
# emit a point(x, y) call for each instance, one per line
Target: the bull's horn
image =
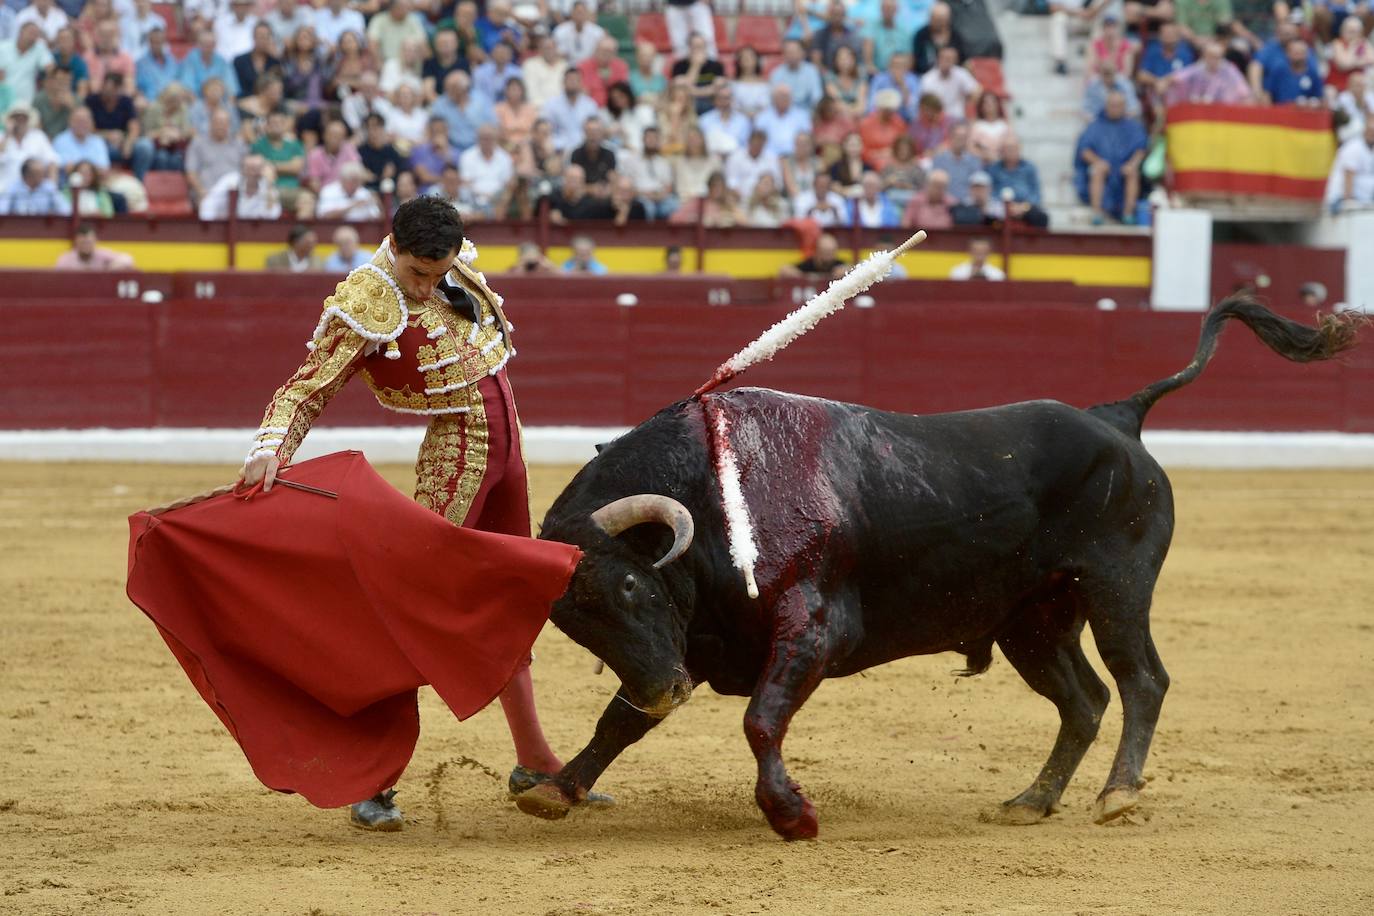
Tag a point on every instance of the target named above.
point(629, 511)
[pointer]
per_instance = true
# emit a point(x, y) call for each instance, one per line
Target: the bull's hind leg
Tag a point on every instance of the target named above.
point(1053, 664)
point(795, 666)
point(1122, 634)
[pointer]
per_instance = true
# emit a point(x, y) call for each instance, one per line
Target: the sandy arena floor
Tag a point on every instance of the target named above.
point(122, 793)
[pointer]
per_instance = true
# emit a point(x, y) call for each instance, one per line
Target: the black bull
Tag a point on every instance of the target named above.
point(881, 536)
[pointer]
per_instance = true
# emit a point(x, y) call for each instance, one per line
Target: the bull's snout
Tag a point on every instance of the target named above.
point(676, 693)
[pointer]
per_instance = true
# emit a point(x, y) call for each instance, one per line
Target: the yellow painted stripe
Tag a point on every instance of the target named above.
point(1258, 149)
point(1088, 270)
point(739, 262)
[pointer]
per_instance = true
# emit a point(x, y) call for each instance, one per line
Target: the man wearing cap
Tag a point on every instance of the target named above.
point(880, 128)
point(22, 59)
point(23, 141)
point(982, 208)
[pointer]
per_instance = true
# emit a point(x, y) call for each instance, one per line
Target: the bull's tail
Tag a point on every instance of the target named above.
point(1292, 340)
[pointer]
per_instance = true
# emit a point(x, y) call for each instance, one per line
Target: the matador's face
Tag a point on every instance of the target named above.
point(419, 276)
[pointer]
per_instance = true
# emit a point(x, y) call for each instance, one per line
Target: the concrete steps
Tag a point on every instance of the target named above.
point(1046, 110)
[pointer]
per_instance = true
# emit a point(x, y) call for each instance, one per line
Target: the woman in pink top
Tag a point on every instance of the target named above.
point(989, 128)
point(831, 123)
point(1112, 45)
point(515, 114)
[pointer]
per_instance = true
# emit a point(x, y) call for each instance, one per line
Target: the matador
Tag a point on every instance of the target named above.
point(430, 338)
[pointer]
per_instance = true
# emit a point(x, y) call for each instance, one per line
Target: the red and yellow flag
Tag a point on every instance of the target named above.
point(1239, 149)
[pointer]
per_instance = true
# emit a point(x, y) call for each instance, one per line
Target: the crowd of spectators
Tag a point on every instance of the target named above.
point(1143, 57)
point(337, 108)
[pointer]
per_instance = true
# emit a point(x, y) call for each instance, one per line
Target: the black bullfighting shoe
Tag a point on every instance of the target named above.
point(523, 779)
point(377, 813)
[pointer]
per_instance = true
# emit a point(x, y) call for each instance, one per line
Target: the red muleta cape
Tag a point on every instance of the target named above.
point(308, 623)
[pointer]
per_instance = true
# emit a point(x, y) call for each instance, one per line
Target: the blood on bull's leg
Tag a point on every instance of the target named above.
point(795, 666)
point(1053, 664)
point(1123, 639)
point(620, 725)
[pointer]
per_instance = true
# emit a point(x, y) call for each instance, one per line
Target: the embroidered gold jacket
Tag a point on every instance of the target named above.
point(420, 358)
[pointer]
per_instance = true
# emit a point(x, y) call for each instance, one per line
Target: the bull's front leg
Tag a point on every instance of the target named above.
point(795, 666)
point(619, 726)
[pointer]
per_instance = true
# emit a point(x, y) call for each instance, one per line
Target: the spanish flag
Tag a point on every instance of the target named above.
point(1238, 149)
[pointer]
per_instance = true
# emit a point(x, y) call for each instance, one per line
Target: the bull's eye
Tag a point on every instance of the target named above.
point(629, 585)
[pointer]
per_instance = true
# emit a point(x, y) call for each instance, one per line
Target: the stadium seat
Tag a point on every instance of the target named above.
point(617, 25)
point(988, 72)
point(168, 12)
point(168, 194)
point(762, 33)
point(653, 28)
point(723, 45)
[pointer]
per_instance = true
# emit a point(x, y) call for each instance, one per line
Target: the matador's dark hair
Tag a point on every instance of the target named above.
point(427, 227)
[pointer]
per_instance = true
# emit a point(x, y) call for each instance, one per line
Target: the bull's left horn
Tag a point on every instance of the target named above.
point(629, 511)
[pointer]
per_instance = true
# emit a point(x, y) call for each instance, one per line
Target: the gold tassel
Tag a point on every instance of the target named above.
point(393, 350)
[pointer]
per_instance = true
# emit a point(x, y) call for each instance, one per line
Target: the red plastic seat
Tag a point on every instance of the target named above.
point(762, 33)
point(988, 72)
point(168, 194)
point(723, 45)
point(653, 28)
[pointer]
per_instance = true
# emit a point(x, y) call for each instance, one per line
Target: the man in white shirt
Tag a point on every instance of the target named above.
point(781, 121)
point(821, 202)
point(289, 16)
point(486, 169)
point(22, 60)
point(577, 37)
point(44, 14)
point(1352, 174)
point(950, 83)
point(347, 256)
point(568, 111)
point(335, 18)
point(977, 266)
point(348, 198)
point(134, 28)
point(725, 128)
point(234, 30)
point(257, 193)
point(543, 73)
point(23, 140)
point(744, 166)
point(652, 175)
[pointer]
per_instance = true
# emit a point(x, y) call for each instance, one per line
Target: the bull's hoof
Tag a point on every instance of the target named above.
point(545, 800)
point(1113, 803)
point(522, 779)
point(802, 827)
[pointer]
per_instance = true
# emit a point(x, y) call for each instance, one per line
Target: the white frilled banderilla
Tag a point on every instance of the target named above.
point(873, 269)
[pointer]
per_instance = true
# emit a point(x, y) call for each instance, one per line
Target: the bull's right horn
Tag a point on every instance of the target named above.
point(629, 511)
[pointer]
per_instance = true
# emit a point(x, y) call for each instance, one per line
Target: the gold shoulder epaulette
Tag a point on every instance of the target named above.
point(370, 303)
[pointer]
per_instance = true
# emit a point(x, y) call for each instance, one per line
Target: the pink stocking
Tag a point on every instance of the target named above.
point(531, 748)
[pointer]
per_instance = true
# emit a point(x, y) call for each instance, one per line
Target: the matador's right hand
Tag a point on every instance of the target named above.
point(262, 468)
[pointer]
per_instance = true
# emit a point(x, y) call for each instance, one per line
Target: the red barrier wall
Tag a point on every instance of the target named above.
point(97, 361)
